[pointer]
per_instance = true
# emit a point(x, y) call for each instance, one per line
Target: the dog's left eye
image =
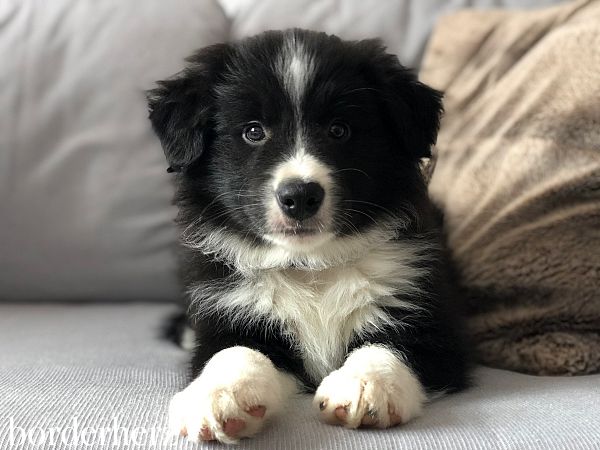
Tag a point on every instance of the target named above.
point(339, 130)
point(254, 132)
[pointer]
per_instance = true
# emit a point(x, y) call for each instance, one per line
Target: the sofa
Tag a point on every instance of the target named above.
point(88, 271)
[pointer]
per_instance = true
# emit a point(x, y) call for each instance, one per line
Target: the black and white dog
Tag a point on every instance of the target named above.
point(314, 258)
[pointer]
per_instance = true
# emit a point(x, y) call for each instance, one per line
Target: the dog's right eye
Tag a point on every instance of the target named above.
point(254, 133)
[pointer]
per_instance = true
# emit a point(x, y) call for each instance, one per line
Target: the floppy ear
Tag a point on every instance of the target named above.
point(181, 108)
point(414, 108)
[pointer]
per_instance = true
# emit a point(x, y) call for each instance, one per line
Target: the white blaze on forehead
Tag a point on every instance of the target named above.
point(295, 67)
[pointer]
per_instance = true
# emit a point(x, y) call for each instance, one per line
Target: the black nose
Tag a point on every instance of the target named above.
point(300, 200)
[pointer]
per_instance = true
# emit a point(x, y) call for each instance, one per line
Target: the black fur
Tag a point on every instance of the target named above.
point(199, 116)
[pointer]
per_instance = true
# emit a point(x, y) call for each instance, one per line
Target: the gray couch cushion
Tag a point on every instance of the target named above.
point(99, 363)
point(84, 198)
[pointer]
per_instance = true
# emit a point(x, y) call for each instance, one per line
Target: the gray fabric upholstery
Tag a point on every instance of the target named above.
point(98, 362)
point(84, 197)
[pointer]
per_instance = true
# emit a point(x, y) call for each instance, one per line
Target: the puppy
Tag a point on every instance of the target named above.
point(314, 259)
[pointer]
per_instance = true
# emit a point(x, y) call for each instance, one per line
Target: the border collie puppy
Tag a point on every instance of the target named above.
point(314, 259)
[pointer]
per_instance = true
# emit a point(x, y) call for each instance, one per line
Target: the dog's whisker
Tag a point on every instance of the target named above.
point(364, 214)
point(372, 204)
point(349, 169)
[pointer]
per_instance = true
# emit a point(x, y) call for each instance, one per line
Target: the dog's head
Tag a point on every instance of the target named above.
point(294, 140)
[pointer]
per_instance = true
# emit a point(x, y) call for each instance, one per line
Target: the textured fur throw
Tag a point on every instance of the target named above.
point(518, 177)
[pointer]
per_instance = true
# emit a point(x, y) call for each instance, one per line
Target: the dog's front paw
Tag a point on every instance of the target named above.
point(205, 414)
point(238, 390)
point(373, 388)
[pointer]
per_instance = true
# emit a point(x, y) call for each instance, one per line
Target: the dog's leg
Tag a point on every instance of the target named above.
point(237, 391)
point(374, 387)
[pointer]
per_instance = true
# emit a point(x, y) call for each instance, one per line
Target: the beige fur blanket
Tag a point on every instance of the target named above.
point(518, 177)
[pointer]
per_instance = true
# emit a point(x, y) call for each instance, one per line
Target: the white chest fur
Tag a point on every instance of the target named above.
point(323, 309)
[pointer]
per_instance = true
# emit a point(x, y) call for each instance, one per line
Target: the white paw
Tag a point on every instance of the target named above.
point(373, 388)
point(238, 390)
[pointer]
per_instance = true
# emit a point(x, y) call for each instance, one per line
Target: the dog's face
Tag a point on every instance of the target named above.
point(294, 139)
